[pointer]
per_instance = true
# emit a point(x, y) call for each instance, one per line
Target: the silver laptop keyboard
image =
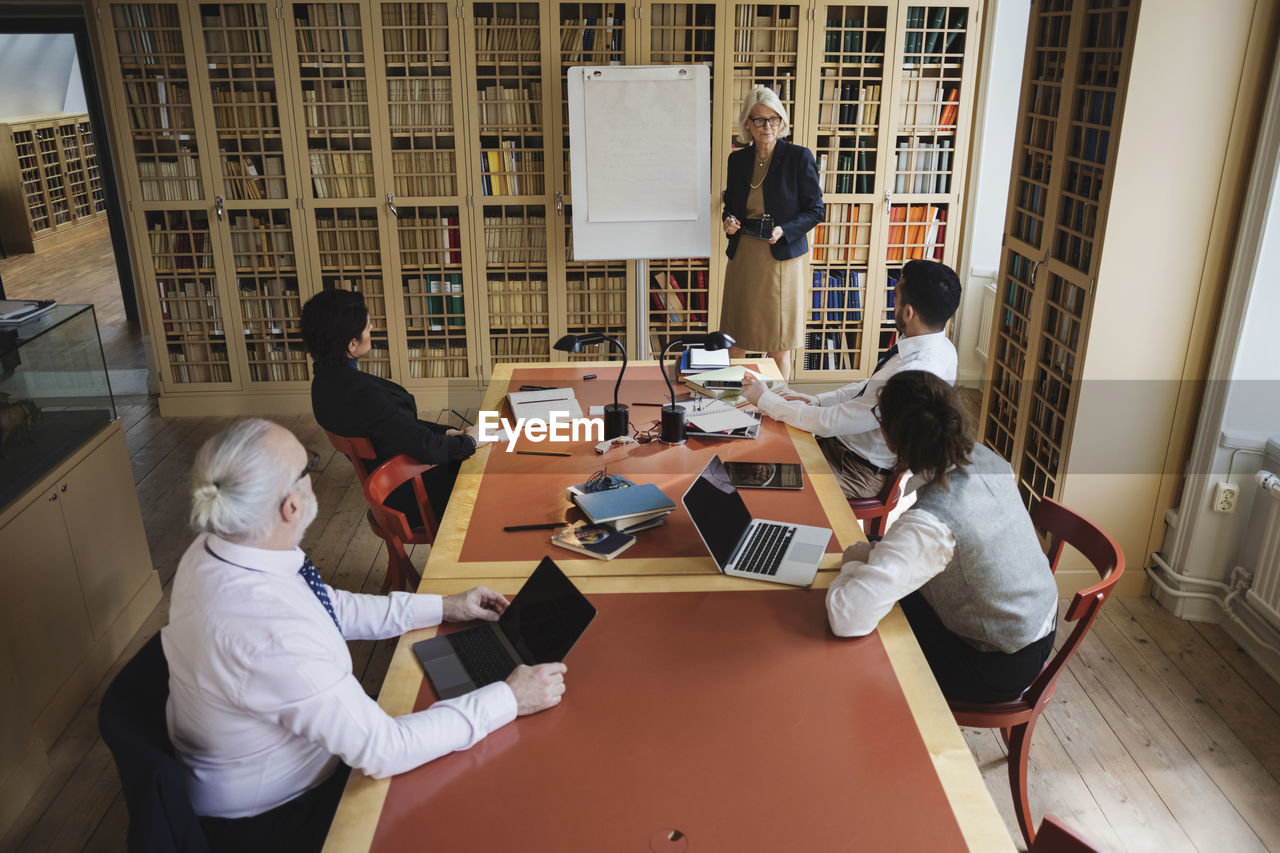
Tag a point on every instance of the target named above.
point(762, 553)
point(482, 656)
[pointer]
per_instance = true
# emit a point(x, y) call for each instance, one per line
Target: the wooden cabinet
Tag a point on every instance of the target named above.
point(49, 178)
point(418, 152)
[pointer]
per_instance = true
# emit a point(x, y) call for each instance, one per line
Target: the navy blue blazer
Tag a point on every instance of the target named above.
point(792, 195)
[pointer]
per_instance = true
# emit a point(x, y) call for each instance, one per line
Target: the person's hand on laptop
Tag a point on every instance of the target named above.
point(537, 688)
point(476, 603)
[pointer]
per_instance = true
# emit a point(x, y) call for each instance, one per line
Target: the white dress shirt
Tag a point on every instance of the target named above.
point(263, 703)
point(914, 549)
point(846, 412)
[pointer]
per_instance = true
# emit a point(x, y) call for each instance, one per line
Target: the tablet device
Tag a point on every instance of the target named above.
point(765, 475)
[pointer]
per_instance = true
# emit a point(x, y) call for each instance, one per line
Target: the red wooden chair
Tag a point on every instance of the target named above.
point(1017, 718)
point(875, 511)
point(1055, 837)
point(389, 525)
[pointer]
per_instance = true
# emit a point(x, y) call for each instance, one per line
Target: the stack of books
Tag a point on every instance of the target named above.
point(627, 508)
point(698, 360)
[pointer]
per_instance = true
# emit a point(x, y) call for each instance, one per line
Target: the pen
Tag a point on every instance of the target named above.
point(461, 418)
point(551, 525)
point(544, 453)
point(648, 404)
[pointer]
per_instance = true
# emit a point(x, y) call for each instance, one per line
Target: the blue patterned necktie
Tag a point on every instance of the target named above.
point(312, 577)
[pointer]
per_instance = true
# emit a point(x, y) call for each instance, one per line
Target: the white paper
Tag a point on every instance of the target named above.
point(715, 416)
point(641, 150)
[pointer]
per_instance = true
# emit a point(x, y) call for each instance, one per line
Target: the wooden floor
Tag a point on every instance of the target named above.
point(1163, 735)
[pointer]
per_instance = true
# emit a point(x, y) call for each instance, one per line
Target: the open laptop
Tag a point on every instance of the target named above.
point(751, 548)
point(541, 624)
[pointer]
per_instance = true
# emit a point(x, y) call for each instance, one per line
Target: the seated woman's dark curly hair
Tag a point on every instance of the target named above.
point(924, 424)
point(331, 320)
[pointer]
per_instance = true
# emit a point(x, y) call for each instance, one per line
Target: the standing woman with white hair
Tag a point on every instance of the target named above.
point(772, 199)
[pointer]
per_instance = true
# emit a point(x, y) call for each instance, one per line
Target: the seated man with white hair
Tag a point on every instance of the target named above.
point(264, 711)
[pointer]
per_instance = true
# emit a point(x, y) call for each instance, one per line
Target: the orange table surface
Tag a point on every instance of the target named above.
point(734, 718)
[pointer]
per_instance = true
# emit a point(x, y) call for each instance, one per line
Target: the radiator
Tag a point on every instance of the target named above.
point(986, 316)
point(1264, 594)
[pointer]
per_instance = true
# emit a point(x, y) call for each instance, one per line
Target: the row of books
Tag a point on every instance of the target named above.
point(507, 39)
point(420, 102)
point(377, 362)
point(520, 303)
point(254, 176)
point(277, 362)
point(923, 166)
point(170, 179)
point(853, 41)
point(160, 104)
point(744, 81)
point(596, 297)
point(846, 235)
point(270, 307)
point(916, 231)
point(419, 31)
point(434, 301)
point(424, 173)
point(190, 309)
point(232, 30)
point(594, 41)
point(831, 350)
point(427, 239)
point(928, 104)
point(147, 32)
point(241, 109)
point(510, 171)
point(199, 363)
point(175, 247)
point(758, 33)
point(846, 103)
point(518, 347)
point(341, 105)
point(518, 106)
point(437, 359)
point(341, 174)
point(515, 239)
point(854, 170)
point(328, 32)
point(840, 293)
point(259, 244)
point(678, 298)
point(934, 33)
point(682, 31)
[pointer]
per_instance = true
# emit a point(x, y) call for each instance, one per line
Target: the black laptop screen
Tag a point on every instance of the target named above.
point(547, 616)
point(717, 510)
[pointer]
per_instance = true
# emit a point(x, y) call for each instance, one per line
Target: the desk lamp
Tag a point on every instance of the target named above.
point(673, 415)
point(616, 415)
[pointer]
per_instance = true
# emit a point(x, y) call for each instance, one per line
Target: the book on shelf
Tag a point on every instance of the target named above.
point(594, 540)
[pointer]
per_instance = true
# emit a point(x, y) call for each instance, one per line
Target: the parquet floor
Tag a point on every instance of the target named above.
point(1163, 735)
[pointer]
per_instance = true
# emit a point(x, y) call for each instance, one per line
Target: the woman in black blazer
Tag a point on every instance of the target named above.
point(349, 402)
point(772, 199)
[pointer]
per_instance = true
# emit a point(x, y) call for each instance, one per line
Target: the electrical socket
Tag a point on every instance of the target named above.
point(1225, 497)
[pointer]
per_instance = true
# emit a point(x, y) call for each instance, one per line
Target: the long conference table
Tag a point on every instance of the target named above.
point(702, 712)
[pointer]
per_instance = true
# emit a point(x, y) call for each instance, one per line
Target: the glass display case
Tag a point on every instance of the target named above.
point(54, 394)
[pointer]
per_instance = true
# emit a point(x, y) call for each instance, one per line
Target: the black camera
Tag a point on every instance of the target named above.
point(761, 229)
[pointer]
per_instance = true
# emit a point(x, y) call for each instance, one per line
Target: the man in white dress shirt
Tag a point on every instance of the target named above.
point(265, 713)
point(844, 420)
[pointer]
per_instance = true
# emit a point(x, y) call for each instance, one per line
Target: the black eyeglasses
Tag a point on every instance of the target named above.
point(875, 413)
point(772, 121)
point(313, 463)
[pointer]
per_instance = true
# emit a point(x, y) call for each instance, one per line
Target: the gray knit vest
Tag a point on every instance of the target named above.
point(997, 590)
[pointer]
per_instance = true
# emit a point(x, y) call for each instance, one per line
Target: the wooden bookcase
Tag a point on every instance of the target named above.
point(418, 152)
point(49, 171)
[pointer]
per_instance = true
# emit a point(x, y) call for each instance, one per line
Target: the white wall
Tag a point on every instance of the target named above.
point(995, 128)
point(74, 101)
point(35, 71)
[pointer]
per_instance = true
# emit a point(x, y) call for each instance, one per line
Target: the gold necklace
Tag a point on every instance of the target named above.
point(766, 164)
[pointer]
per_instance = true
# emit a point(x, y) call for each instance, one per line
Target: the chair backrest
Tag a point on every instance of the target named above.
point(1065, 527)
point(384, 480)
point(1054, 836)
point(358, 450)
point(131, 719)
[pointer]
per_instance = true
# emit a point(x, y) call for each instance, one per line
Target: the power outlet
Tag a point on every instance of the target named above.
point(1225, 497)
